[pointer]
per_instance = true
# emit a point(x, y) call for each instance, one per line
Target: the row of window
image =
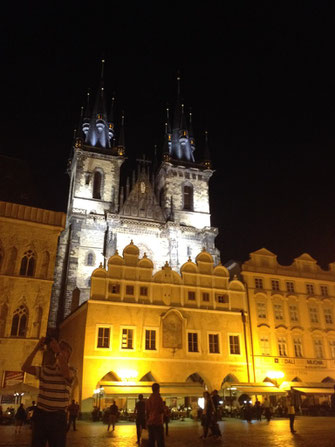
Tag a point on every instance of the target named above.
point(290, 287)
point(278, 312)
point(114, 289)
point(27, 263)
point(104, 340)
point(265, 346)
point(187, 175)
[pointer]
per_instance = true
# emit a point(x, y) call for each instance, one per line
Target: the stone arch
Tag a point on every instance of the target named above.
point(111, 376)
point(28, 263)
point(230, 378)
point(187, 196)
point(328, 379)
point(296, 379)
point(20, 322)
point(98, 179)
point(195, 378)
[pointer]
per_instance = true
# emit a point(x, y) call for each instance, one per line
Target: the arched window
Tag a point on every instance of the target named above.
point(97, 181)
point(19, 322)
point(11, 261)
point(188, 197)
point(45, 265)
point(3, 319)
point(90, 259)
point(28, 264)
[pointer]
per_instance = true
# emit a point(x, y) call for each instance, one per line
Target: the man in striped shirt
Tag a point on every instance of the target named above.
point(54, 393)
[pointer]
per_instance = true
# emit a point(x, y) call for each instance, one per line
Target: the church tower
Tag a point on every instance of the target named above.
point(165, 212)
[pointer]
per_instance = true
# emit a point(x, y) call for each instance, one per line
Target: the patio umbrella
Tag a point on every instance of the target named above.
point(19, 388)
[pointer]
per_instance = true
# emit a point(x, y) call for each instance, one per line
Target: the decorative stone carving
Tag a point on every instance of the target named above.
point(172, 331)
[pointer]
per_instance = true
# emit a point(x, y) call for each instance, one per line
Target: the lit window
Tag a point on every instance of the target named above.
point(103, 337)
point(290, 286)
point(127, 339)
point(324, 290)
point(205, 296)
point(129, 290)
point(278, 311)
point(275, 284)
point(293, 312)
point(234, 345)
point(313, 315)
point(150, 340)
point(192, 342)
point(297, 347)
point(223, 299)
point(144, 291)
point(282, 347)
point(19, 322)
point(114, 288)
point(258, 283)
point(191, 295)
point(264, 344)
point(261, 309)
point(328, 316)
point(332, 348)
point(310, 289)
point(213, 340)
point(318, 348)
point(28, 264)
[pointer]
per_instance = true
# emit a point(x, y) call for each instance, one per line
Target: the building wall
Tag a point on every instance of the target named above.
point(165, 307)
point(283, 301)
point(25, 230)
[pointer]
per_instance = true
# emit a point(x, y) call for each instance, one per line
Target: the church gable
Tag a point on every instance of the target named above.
point(142, 202)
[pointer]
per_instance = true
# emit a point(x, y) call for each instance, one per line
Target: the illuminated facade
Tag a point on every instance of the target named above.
point(184, 330)
point(292, 319)
point(28, 246)
point(166, 210)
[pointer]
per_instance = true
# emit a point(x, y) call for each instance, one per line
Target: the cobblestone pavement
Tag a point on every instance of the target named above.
point(311, 432)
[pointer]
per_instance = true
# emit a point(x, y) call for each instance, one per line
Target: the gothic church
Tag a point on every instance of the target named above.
point(165, 211)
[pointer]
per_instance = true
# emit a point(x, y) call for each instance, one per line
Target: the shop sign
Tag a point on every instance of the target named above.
point(12, 378)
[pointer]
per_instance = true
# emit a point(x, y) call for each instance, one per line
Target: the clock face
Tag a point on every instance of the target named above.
point(142, 187)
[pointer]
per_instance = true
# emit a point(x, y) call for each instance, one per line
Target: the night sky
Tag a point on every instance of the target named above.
point(259, 78)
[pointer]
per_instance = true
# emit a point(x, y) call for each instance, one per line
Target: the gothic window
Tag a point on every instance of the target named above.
point(97, 182)
point(45, 265)
point(19, 322)
point(90, 259)
point(28, 264)
point(188, 197)
point(3, 319)
point(11, 261)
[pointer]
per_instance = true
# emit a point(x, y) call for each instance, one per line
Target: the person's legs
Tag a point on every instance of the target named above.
point(138, 431)
point(57, 429)
point(159, 435)
point(167, 428)
point(152, 438)
point(292, 416)
point(39, 430)
point(74, 423)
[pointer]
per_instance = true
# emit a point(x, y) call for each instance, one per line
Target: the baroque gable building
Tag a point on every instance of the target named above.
point(165, 209)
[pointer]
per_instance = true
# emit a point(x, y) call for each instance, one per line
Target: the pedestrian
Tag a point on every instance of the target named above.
point(258, 410)
point(207, 414)
point(166, 418)
point(112, 415)
point(267, 409)
point(154, 408)
point(73, 411)
point(291, 415)
point(140, 417)
point(214, 426)
point(20, 417)
point(55, 382)
point(30, 414)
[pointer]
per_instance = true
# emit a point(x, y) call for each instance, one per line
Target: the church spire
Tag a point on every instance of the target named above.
point(121, 147)
point(207, 155)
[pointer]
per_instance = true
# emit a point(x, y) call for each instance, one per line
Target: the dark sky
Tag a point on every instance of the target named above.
point(259, 78)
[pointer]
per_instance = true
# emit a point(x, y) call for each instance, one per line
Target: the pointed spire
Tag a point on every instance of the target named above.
point(121, 146)
point(207, 155)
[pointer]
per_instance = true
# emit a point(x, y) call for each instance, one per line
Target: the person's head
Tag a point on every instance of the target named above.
point(206, 394)
point(65, 348)
point(33, 402)
point(214, 392)
point(155, 387)
point(140, 396)
point(73, 401)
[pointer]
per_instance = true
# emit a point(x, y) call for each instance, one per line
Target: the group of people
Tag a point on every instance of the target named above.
point(210, 415)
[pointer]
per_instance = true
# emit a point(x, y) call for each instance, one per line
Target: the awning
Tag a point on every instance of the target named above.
point(314, 390)
point(249, 388)
point(173, 389)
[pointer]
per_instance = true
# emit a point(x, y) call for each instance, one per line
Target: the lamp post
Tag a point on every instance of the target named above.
point(99, 392)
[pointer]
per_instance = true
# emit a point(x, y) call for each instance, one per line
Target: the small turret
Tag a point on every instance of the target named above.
point(121, 147)
point(207, 156)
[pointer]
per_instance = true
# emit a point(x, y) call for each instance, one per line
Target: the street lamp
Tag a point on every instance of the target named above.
point(18, 397)
point(99, 392)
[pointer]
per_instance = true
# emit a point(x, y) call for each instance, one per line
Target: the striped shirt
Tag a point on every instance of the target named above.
point(54, 389)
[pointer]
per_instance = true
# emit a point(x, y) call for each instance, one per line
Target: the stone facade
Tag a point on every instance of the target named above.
point(292, 317)
point(28, 247)
point(141, 325)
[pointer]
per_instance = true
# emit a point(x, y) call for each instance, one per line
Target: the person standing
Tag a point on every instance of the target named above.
point(258, 410)
point(54, 391)
point(112, 416)
point(154, 408)
point(166, 418)
point(267, 409)
point(207, 414)
point(73, 411)
point(291, 415)
point(140, 417)
point(20, 417)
